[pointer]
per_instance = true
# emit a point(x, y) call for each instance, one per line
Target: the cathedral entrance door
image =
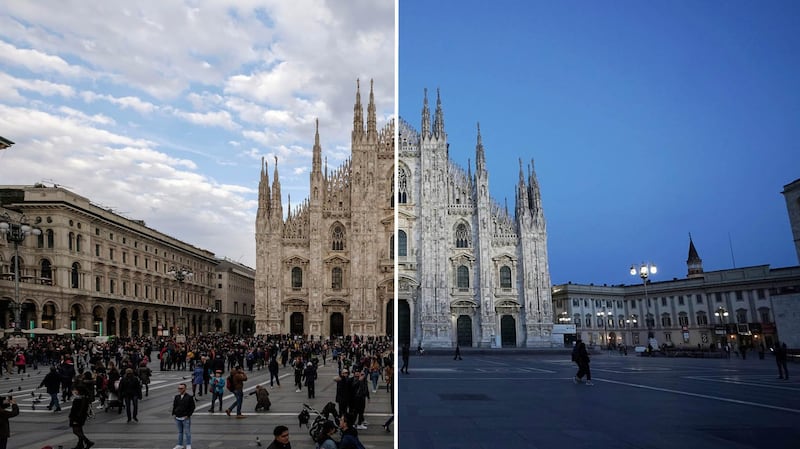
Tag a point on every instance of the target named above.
point(337, 324)
point(508, 331)
point(403, 323)
point(464, 326)
point(296, 323)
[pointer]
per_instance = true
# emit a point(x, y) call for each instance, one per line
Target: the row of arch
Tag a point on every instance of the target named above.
point(116, 320)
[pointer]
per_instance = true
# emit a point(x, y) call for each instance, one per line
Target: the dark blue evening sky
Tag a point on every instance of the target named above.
point(647, 121)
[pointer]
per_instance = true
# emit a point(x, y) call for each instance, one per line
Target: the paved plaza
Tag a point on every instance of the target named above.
point(514, 399)
point(34, 429)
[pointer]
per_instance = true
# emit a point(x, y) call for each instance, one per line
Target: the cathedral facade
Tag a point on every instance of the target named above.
point(325, 268)
point(469, 272)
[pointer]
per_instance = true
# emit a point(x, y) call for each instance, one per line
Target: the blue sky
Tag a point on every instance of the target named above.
point(647, 121)
point(162, 111)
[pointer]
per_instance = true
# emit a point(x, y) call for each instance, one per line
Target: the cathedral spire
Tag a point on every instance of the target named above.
point(534, 194)
point(358, 114)
point(426, 116)
point(316, 164)
point(277, 207)
point(480, 156)
point(438, 124)
point(694, 263)
point(372, 127)
point(263, 190)
point(521, 195)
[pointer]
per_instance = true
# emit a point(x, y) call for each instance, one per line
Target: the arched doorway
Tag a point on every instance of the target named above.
point(135, 323)
point(464, 330)
point(296, 323)
point(123, 323)
point(403, 323)
point(508, 331)
point(49, 316)
point(98, 322)
point(612, 339)
point(337, 324)
point(111, 322)
point(75, 316)
point(146, 324)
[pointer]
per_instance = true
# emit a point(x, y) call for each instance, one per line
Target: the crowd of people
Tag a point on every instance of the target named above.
point(116, 373)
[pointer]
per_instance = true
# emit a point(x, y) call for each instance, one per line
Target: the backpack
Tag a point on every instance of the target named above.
point(229, 383)
point(575, 353)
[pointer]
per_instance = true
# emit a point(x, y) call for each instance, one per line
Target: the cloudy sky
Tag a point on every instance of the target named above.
point(647, 121)
point(162, 110)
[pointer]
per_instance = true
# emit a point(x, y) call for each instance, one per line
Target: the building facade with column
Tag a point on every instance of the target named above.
point(469, 271)
point(92, 268)
point(791, 192)
point(734, 306)
point(234, 299)
point(325, 267)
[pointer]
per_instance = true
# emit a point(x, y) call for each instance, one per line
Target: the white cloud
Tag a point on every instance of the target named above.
point(165, 109)
point(36, 61)
point(221, 119)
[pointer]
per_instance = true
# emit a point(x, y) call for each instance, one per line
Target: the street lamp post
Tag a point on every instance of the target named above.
point(16, 231)
point(605, 314)
point(722, 318)
point(644, 271)
point(180, 275)
point(631, 322)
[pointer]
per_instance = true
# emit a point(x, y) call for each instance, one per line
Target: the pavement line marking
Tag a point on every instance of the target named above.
point(738, 382)
point(482, 378)
point(484, 360)
point(450, 370)
point(703, 396)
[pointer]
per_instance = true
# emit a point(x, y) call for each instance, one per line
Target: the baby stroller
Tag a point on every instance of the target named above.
point(114, 400)
point(321, 417)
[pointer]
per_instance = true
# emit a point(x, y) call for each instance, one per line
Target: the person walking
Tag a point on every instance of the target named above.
point(77, 419)
point(144, 374)
point(52, 381)
point(405, 352)
point(281, 438)
point(217, 390)
point(273, 372)
point(182, 409)
point(5, 415)
point(130, 392)
point(458, 353)
point(374, 373)
point(781, 356)
point(197, 380)
point(238, 377)
point(67, 372)
point(298, 373)
point(582, 359)
point(310, 376)
point(20, 362)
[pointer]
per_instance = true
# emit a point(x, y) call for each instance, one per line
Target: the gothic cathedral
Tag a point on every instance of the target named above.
point(326, 267)
point(469, 272)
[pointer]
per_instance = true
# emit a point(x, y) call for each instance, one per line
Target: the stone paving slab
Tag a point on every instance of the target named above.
point(36, 428)
point(513, 399)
